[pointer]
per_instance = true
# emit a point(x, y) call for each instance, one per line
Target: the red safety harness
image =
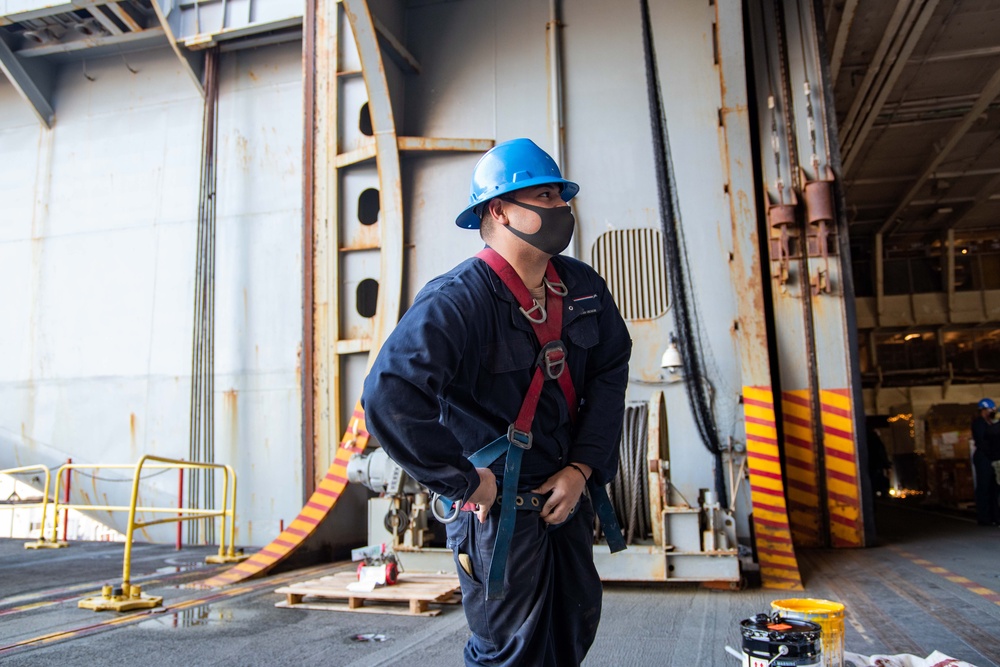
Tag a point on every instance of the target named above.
point(549, 365)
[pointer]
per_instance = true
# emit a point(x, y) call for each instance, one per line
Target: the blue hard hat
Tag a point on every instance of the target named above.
point(512, 165)
point(987, 404)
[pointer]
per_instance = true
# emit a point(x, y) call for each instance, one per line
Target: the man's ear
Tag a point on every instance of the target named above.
point(495, 211)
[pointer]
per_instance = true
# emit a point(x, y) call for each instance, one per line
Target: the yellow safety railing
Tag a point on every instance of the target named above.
point(130, 596)
point(45, 498)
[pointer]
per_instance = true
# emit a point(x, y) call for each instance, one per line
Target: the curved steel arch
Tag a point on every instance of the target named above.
point(390, 179)
point(388, 304)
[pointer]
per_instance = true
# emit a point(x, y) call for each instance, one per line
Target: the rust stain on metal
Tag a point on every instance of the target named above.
point(131, 428)
point(298, 365)
point(231, 397)
point(365, 237)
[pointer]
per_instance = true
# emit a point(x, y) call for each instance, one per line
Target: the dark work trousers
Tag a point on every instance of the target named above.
point(987, 491)
point(552, 607)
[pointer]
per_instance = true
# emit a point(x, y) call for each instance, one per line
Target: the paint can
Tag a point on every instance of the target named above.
point(828, 615)
point(773, 641)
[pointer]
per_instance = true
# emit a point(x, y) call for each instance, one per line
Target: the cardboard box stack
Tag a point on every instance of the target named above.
point(948, 432)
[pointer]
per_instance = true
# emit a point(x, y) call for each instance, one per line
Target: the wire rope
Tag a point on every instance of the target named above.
point(685, 315)
point(629, 489)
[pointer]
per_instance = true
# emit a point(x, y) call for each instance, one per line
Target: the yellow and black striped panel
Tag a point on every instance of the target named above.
point(775, 551)
point(319, 505)
point(800, 468)
point(841, 461)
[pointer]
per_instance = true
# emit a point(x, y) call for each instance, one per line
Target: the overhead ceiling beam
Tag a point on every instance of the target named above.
point(985, 195)
point(29, 10)
point(872, 109)
point(104, 20)
point(947, 145)
point(192, 63)
point(840, 40)
point(907, 178)
point(26, 85)
point(872, 69)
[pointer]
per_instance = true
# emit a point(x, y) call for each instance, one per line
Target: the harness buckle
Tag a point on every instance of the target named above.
point(519, 438)
point(552, 359)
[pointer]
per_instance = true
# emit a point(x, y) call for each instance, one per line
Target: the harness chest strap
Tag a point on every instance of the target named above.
point(552, 358)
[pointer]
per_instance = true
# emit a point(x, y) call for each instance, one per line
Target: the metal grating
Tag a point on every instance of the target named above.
point(631, 261)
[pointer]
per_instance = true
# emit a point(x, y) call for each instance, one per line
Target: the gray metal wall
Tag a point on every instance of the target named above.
point(484, 75)
point(98, 229)
point(97, 256)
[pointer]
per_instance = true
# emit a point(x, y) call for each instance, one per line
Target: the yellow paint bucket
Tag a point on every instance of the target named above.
point(830, 618)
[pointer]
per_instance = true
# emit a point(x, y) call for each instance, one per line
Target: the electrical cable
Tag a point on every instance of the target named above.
point(201, 447)
point(685, 317)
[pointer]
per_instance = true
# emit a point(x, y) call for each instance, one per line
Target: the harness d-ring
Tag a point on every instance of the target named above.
point(455, 513)
point(537, 307)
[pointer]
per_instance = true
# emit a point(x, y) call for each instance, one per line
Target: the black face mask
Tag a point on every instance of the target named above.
point(556, 231)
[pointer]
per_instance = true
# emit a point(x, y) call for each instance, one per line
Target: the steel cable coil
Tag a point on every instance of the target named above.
point(629, 490)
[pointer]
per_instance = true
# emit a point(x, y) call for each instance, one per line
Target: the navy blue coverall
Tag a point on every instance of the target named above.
point(451, 379)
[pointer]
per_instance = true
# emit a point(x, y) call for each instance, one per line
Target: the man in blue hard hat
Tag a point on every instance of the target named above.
point(502, 390)
point(986, 438)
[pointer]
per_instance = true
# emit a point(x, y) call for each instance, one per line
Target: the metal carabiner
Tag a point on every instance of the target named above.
point(456, 510)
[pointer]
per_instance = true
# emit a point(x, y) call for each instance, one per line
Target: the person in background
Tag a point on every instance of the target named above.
point(879, 464)
point(986, 438)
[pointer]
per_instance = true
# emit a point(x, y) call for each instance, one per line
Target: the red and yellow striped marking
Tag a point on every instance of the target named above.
point(968, 584)
point(775, 552)
point(840, 455)
point(319, 505)
point(800, 468)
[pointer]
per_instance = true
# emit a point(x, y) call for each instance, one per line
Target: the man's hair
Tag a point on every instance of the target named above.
point(486, 227)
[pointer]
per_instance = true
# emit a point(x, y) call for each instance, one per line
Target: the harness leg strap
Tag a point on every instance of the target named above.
point(505, 528)
point(606, 513)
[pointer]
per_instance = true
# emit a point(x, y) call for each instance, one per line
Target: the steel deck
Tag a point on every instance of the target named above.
point(932, 583)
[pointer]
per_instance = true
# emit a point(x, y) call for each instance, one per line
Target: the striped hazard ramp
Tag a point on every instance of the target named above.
point(775, 551)
point(319, 505)
point(800, 468)
point(841, 460)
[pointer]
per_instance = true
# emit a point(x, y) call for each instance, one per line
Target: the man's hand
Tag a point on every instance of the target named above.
point(566, 487)
point(485, 495)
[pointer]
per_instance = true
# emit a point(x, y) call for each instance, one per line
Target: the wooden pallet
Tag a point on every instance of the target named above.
point(417, 591)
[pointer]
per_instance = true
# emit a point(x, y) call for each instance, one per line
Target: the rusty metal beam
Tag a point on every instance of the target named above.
point(153, 34)
point(193, 64)
point(104, 20)
point(126, 15)
point(990, 91)
point(395, 48)
point(870, 107)
point(366, 149)
point(444, 145)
